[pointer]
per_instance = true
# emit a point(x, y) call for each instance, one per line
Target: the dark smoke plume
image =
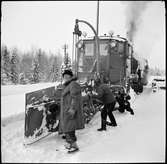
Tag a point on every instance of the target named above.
point(145, 26)
point(134, 11)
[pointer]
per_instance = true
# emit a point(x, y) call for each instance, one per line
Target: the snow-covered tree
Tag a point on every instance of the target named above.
point(54, 70)
point(14, 66)
point(66, 64)
point(55, 61)
point(22, 79)
point(44, 65)
point(5, 65)
point(26, 65)
point(36, 72)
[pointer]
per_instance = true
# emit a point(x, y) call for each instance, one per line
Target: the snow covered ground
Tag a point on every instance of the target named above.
point(137, 138)
point(13, 99)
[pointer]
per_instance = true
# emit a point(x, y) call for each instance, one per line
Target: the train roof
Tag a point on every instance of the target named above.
point(106, 37)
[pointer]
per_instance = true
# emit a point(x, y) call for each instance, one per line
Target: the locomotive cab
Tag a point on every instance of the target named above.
point(114, 62)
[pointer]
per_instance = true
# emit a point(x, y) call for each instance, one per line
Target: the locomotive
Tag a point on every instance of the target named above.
point(117, 65)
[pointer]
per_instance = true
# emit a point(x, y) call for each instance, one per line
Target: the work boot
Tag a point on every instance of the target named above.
point(111, 124)
point(103, 125)
point(108, 123)
point(73, 147)
point(54, 129)
point(132, 112)
point(67, 145)
point(101, 129)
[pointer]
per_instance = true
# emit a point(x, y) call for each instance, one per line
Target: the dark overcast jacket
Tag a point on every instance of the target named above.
point(104, 94)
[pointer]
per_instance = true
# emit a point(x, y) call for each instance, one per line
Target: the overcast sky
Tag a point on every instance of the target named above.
point(49, 24)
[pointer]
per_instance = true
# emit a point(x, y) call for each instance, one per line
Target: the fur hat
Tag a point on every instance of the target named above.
point(68, 72)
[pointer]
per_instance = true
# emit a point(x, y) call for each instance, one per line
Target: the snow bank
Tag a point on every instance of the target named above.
point(13, 99)
point(7, 90)
point(12, 105)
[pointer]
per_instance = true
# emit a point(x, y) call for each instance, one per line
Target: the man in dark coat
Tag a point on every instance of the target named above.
point(71, 113)
point(127, 104)
point(124, 104)
point(139, 74)
point(120, 99)
point(105, 95)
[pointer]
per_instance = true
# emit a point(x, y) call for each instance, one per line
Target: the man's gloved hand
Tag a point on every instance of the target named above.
point(94, 93)
point(71, 113)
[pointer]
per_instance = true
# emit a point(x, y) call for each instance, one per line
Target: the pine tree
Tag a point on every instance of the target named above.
point(36, 67)
point(66, 64)
point(36, 72)
point(43, 64)
point(14, 67)
point(54, 71)
point(26, 66)
point(5, 65)
point(39, 58)
point(22, 79)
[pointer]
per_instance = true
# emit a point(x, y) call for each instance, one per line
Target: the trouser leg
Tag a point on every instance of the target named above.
point(103, 117)
point(110, 108)
point(71, 141)
point(71, 137)
point(121, 106)
point(128, 108)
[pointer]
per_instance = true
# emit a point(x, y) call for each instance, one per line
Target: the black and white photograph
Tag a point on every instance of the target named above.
point(83, 82)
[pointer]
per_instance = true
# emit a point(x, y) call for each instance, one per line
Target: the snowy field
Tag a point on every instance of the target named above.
point(137, 138)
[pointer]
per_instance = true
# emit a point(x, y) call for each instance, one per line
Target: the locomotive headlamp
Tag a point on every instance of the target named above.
point(79, 44)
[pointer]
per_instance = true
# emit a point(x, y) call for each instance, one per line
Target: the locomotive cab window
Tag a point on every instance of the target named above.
point(120, 47)
point(89, 49)
point(103, 49)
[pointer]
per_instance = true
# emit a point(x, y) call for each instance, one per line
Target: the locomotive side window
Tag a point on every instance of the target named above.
point(103, 49)
point(89, 49)
point(120, 47)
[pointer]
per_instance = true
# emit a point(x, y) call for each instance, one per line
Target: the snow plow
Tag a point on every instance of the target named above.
point(42, 110)
point(41, 114)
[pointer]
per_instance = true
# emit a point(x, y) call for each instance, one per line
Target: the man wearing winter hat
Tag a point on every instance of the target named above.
point(71, 113)
point(105, 95)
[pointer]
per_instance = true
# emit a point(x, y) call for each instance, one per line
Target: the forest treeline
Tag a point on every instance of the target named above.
point(36, 65)
point(30, 67)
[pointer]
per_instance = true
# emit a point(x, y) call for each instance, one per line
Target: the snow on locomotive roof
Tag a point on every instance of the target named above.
point(108, 37)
